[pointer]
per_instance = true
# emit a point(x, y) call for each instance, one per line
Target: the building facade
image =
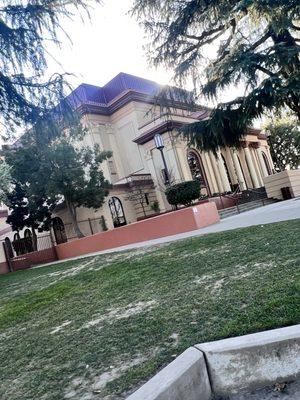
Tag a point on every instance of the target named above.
point(123, 117)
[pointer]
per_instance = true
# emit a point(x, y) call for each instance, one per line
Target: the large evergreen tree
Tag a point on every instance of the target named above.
point(26, 28)
point(255, 43)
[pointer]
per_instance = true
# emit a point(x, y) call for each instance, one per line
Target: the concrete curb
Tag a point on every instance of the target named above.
point(253, 361)
point(227, 367)
point(184, 378)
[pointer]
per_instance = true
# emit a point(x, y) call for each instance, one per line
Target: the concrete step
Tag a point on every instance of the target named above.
point(228, 212)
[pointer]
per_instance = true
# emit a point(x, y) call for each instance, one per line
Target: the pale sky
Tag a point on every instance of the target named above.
point(110, 43)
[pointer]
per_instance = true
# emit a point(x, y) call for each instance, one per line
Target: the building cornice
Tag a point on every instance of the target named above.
point(125, 98)
point(170, 125)
point(161, 128)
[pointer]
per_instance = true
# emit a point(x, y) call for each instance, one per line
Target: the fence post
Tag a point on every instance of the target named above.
point(91, 228)
point(7, 257)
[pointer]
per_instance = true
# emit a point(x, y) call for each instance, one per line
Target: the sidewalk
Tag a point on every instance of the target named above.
point(281, 211)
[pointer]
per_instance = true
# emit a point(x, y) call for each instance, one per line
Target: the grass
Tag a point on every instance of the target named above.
point(98, 327)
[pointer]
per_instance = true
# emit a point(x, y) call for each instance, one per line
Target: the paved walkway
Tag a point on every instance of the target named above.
point(282, 211)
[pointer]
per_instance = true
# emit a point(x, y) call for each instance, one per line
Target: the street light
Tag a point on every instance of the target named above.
point(159, 144)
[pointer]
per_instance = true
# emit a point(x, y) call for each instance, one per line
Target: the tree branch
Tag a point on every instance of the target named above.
point(206, 34)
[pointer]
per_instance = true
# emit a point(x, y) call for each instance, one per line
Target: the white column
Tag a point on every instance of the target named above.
point(224, 177)
point(251, 167)
point(238, 170)
point(163, 204)
point(216, 172)
point(271, 162)
point(212, 180)
point(230, 165)
point(256, 167)
point(183, 162)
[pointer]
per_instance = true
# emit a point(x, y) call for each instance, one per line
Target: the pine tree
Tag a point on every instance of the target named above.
point(26, 28)
point(256, 43)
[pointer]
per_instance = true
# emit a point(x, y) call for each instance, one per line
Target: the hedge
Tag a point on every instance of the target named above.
point(183, 193)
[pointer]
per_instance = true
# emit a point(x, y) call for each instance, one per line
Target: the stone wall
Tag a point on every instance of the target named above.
point(274, 183)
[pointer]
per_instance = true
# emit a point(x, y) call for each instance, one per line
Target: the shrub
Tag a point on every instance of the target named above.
point(183, 193)
point(155, 206)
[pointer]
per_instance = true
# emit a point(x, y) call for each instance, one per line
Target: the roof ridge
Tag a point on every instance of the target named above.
point(89, 84)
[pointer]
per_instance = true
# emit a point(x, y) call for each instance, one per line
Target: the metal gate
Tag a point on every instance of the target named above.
point(117, 212)
point(26, 252)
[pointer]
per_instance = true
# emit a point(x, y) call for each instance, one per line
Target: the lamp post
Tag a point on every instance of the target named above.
point(159, 144)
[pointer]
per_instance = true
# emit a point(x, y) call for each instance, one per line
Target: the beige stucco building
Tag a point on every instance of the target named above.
point(123, 117)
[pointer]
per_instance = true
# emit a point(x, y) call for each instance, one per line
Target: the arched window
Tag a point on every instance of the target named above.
point(18, 244)
point(266, 161)
point(197, 169)
point(28, 240)
point(59, 230)
point(117, 212)
point(27, 233)
point(16, 236)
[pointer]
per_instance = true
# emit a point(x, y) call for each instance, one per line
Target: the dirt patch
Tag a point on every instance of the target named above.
point(89, 389)
point(122, 312)
point(115, 372)
point(60, 327)
point(176, 338)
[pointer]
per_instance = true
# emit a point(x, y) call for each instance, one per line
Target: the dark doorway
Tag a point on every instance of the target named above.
point(59, 230)
point(28, 241)
point(197, 169)
point(117, 212)
point(266, 161)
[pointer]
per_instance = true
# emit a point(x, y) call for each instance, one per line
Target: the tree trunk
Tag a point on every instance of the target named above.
point(72, 210)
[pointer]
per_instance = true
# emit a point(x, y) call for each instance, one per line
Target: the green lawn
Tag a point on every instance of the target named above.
point(98, 327)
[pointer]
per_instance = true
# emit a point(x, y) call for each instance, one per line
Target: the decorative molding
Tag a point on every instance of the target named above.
point(162, 128)
point(254, 145)
point(89, 107)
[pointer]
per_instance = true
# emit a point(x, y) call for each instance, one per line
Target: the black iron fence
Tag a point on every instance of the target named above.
point(88, 227)
point(20, 246)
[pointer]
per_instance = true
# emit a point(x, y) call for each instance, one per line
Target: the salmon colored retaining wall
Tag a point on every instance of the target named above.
point(223, 202)
point(34, 258)
point(185, 220)
point(3, 268)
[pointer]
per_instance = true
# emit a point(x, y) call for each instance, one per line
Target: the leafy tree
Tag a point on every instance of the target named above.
point(5, 180)
point(74, 175)
point(33, 211)
point(284, 139)
point(58, 171)
point(254, 42)
point(26, 28)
